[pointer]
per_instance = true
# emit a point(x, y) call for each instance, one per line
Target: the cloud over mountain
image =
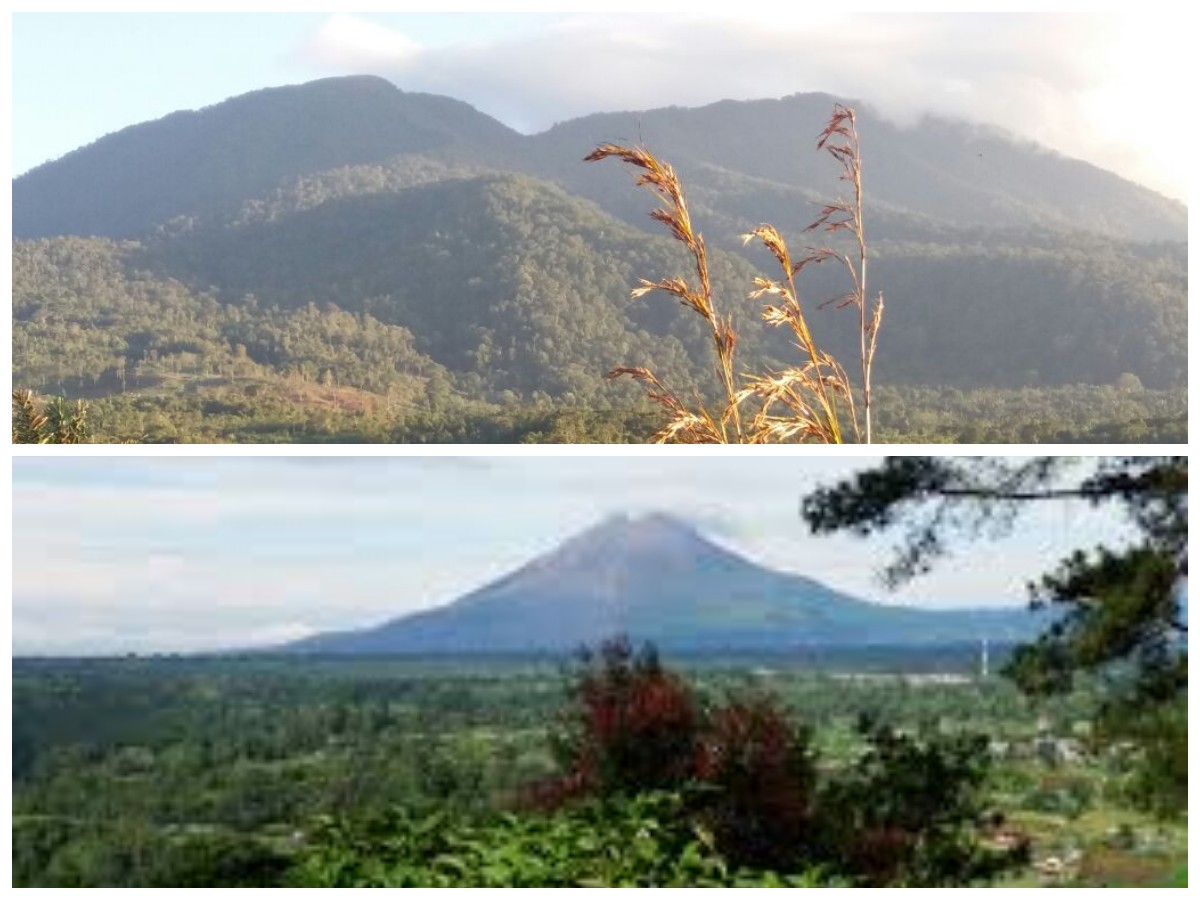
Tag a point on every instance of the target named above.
point(1073, 82)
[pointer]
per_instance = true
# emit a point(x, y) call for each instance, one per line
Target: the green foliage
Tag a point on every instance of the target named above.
point(1120, 612)
point(1159, 776)
point(419, 298)
point(908, 812)
point(86, 325)
point(264, 410)
point(1031, 415)
point(191, 771)
point(219, 860)
point(62, 852)
point(632, 841)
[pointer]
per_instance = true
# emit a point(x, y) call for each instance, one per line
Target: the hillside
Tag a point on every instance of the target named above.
point(199, 162)
point(509, 282)
point(196, 163)
point(422, 259)
point(656, 579)
point(943, 171)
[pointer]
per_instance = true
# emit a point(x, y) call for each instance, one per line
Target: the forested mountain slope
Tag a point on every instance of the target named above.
point(949, 171)
point(196, 162)
point(190, 163)
point(411, 253)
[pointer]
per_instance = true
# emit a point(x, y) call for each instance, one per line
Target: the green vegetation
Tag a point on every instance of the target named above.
point(642, 841)
point(1121, 609)
point(256, 771)
point(250, 410)
point(417, 272)
point(218, 410)
point(904, 811)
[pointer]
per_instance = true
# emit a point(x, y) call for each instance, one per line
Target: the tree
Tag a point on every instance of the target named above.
point(909, 812)
point(1121, 611)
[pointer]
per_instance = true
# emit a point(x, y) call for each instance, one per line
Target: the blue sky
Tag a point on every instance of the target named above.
point(1096, 86)
point(78, 76)
point(171, 553)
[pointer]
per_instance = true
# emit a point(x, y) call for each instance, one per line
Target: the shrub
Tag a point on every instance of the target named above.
point(659, 789)
point(53, 421)
point(632, 726)
point(760, 777)
point(909, 812)
point(640, 841)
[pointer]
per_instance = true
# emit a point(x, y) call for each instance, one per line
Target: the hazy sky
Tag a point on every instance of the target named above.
point(115, 554)
point(1108, 88)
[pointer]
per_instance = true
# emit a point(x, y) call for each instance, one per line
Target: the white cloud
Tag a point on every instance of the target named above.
point(344, 41)
point(1099, 87)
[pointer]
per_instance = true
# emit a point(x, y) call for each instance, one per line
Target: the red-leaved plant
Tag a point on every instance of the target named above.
point(634, 726)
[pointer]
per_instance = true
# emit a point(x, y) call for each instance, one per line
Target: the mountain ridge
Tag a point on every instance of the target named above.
point(248, 144)
point(193, 162)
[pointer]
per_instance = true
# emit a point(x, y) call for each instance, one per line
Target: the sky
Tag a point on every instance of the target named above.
point(1105, 87)
point(164, 554)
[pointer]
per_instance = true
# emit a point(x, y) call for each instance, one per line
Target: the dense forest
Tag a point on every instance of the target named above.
point(431, 276)
point(260, 771)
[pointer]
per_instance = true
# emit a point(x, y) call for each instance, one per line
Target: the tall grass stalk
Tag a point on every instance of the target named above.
point(801, 403)
point(840, 140)
point(699, 426)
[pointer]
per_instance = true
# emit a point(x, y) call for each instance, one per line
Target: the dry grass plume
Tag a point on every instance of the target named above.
point(801, 403)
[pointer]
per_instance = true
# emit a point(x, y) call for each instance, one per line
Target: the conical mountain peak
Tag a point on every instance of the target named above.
point(653, 576)
point(626, 539)
point(642, 524)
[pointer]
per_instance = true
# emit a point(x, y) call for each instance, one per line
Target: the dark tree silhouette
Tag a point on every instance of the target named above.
point(1122, 610)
